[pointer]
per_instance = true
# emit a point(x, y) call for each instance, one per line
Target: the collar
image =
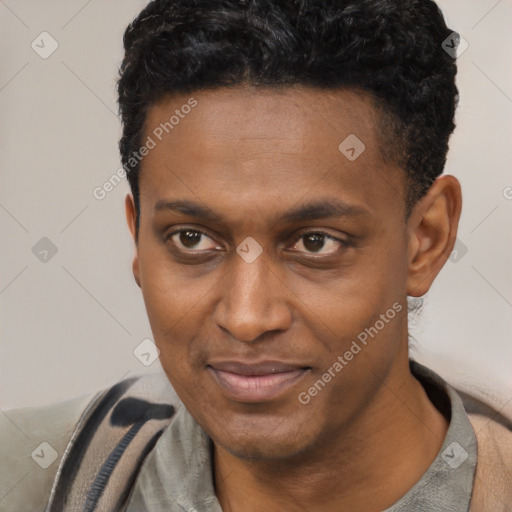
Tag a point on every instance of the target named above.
point(448, 482)
point(177, 474)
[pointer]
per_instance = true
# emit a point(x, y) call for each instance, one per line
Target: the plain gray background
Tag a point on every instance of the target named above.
point(70, 323)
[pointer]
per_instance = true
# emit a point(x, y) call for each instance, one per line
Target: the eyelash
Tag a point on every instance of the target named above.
point(343, 243)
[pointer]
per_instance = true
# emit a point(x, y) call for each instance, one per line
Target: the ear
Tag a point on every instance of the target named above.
point(432, 230)
point(131, 219)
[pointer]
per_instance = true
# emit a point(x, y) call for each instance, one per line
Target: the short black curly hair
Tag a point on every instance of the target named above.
point(391, 49)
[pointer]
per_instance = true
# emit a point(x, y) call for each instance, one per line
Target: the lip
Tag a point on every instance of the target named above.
point(256, 382)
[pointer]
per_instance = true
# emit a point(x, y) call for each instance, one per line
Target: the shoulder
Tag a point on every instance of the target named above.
point(33, 442)
point(493, 480)
point(60, 453)
point(492, 489)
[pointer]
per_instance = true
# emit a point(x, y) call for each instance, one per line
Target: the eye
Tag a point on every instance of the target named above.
point(317, 242)
point(192, 239)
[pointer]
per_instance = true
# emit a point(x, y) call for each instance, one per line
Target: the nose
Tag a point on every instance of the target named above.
point(253, 302)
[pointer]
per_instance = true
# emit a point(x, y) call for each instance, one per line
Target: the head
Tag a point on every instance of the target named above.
point(284, 159)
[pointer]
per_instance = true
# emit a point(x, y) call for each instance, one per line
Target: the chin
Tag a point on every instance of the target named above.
point(268, 440)
point(261, 449)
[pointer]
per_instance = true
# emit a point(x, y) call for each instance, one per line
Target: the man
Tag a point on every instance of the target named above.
point(285, 160)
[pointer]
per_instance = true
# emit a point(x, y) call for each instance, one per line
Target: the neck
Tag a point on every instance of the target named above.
point(367, 466)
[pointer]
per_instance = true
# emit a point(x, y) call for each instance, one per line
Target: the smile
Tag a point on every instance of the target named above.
point(255, 383)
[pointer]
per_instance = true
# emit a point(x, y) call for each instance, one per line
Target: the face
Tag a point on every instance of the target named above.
point(273, 264)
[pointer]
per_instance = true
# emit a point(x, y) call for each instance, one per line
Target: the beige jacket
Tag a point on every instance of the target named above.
point(492, 490)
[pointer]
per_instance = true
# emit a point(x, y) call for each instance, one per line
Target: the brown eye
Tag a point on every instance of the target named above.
point(318, 243)
point(314, 242)
point(192, 240)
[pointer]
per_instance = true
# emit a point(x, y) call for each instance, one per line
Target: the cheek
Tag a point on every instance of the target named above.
point(359, 314)
point(178, 305)
point(366, 325)
point(170, 296)
point(348, 300)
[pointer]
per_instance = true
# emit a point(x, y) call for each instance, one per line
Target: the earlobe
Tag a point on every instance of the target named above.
point(131, 221)
point(432, 233)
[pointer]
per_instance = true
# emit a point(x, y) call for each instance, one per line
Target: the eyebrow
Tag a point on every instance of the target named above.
point(319, 209)
point(188, 208)
point(323, 209)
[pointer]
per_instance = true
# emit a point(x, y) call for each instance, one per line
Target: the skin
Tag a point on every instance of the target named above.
point(251, 155)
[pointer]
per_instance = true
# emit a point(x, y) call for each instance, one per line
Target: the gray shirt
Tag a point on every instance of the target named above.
point(177, 474)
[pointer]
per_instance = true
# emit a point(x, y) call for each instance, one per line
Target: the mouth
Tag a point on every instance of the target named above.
point(258, 382)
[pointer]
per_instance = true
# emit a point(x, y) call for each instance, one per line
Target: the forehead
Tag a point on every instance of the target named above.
point(274, 116)
point(244, 145)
